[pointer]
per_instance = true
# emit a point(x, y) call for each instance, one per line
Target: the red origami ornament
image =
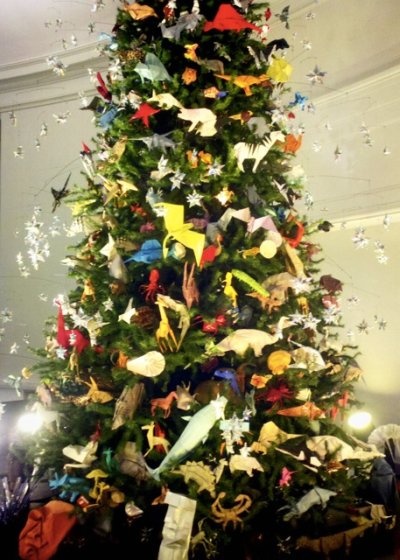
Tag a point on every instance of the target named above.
point(228, 19)
point(102, 88)
point(69, 337)
point(143, 113)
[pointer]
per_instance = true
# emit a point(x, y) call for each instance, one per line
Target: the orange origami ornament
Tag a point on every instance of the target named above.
point(205, 157)
point(292, 143)
point(189, 75)
point(279, 361)
point(139, 11)
point(211, 92)
point(245, 82)
point(308, 410)
point(259, 381)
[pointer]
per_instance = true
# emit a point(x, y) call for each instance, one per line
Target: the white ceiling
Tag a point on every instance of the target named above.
point(356, 42)
point(32, 30)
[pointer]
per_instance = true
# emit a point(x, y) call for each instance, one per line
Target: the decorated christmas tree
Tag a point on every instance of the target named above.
point(192, 380)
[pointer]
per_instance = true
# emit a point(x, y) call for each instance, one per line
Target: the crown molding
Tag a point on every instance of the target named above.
point(36, 87)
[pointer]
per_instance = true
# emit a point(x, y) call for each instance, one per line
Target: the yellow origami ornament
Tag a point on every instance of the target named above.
point(279, 70)
point(95, 395)
point(279, 361)
point(178, 230)
point(190, 53)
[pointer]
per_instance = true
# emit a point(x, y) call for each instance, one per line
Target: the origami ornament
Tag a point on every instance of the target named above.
point(203, 120)
point(278, 361)
point(150, 364)
point(70, 337)
point(230, 515)
point(58, 195)
point(180, 231)
point(154, 440)
point(180, 308)
point(270, 433)
point(143, 113)
point(189, 76)
point(243, 151)
point(95, 395)
point(286, 477)
point(83, 455)
point(149, 252)
point(127, 404)
point(228, 19)
point(307, 410)
point(316, 496)
point(242, 462)
point(152, 69)
point(177, 529)
point(199, 473)
point(241, 340)
point(128, 313)
point(279, 70)
point(245, 82)
point(195, 432)
point(139, 11)
point(164, 100)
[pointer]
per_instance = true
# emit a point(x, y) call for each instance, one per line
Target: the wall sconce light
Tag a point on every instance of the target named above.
point(360, 420)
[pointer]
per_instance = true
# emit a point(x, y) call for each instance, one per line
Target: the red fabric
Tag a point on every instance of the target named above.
point(44, 530)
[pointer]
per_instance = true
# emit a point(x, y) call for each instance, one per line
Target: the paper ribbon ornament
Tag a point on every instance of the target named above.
point(180, 231)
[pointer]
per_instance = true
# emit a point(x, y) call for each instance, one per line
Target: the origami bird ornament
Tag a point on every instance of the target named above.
point(180, 231)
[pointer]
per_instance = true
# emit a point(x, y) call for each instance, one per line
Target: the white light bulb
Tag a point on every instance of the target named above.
point(359, 420)
point(30, 422)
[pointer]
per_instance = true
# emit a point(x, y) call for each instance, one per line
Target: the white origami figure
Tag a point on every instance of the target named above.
point(195, 432)
point(203, 120)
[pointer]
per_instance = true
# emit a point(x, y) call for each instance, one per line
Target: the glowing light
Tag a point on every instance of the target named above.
point(30, 423)
point(359, 420)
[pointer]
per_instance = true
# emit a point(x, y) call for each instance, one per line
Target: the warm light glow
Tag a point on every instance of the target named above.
point(30, 422)
point(359, 420)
